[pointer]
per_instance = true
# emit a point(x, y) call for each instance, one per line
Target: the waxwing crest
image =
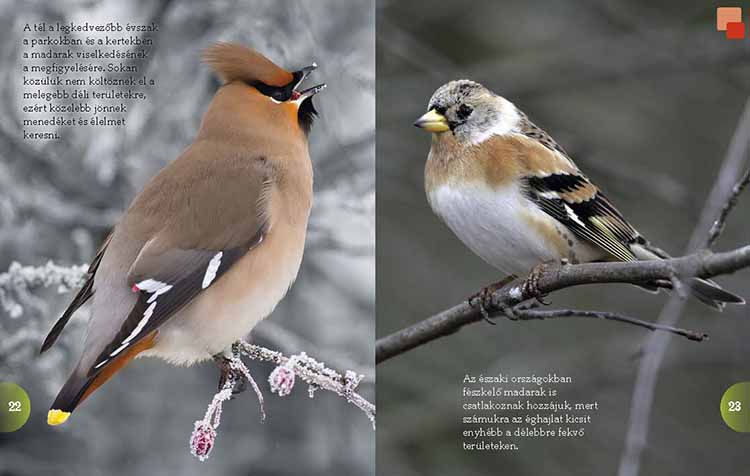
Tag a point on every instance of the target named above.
point(235, 62)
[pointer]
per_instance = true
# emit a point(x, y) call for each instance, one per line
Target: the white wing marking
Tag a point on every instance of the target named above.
point(146, 316)
point(150, 285)
point(119, 349)
point(213, 267)
point(159, 292)
point(573, 216)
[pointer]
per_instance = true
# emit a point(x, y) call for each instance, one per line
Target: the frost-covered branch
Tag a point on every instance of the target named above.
point(19, 279)
point(281, 380)
point(314, 373)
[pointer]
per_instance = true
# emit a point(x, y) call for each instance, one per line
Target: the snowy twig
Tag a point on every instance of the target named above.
point(19, 279)
point(281, 381)
point(312, 372)
point(204, 433)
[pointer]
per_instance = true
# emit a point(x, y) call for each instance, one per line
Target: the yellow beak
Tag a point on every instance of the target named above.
point(433, 121)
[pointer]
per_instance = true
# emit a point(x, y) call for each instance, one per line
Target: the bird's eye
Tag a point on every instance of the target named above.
point(464, 111)
point(279, 95)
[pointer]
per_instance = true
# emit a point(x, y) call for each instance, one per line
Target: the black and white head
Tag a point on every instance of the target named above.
point(469, 111)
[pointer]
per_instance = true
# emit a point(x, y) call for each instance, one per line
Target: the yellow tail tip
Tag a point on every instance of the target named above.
point(57, 417)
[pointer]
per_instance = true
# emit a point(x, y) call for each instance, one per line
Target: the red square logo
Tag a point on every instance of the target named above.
point(735, 30)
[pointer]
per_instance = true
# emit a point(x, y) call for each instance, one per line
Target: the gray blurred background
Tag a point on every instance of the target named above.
point(58, 199)
point(645, 97)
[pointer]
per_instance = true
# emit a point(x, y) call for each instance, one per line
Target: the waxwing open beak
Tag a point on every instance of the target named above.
point(298, 95)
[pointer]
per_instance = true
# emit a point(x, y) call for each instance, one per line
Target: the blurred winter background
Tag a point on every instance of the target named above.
point(58, 199)
point(645, 96)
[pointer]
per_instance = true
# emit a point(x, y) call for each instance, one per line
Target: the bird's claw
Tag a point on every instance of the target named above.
point(530, 287)
point(229, 375)
point(483, 299)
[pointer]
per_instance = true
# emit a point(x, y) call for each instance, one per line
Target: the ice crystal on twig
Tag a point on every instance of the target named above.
point(237, 364)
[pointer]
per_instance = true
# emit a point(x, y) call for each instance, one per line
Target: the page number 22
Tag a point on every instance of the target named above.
point(15, 406)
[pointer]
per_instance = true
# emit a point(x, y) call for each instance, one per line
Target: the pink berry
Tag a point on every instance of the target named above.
point(202, 440)
point(282, 380)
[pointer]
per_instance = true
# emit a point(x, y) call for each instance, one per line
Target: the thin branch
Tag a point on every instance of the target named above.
point(731, 202)
point(552, 278)
point(533, 314)
point(655, 349)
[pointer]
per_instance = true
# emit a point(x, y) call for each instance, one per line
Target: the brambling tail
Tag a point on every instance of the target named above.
point(705, 290)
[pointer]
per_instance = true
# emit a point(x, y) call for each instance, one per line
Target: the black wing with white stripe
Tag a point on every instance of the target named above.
point(200, 218)
point(574, 201)
point(165, 293)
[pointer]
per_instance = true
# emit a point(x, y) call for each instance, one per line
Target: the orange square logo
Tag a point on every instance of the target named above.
point(725, 15)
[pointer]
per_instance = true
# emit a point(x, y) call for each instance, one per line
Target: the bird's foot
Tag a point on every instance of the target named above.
point(530, 287)
point(483, 299)
point(228, 374)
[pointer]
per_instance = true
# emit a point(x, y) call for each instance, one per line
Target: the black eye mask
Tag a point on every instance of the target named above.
point(279, 93)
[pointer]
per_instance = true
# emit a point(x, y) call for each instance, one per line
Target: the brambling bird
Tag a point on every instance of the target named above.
point(515, 197)
point(213, 242)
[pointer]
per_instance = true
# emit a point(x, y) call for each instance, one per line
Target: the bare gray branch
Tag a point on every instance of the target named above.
point(553, 278)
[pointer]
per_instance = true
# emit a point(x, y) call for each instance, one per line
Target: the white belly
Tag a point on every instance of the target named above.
point(496, 224)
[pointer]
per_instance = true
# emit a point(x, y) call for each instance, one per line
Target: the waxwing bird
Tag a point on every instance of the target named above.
point(213, 242)
point(515, 197)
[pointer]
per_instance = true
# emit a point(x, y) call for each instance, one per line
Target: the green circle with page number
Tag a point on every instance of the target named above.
point(735, 407)
point(15, 407)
